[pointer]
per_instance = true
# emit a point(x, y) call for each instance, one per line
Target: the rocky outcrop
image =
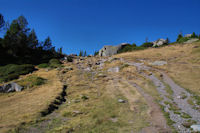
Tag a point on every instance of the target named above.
point(159, 42)
point(111, 50)
point(192, 40)
point(11, 87)
point(188, 35)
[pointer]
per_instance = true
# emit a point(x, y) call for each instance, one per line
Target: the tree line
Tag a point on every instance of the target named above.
point(20, 44)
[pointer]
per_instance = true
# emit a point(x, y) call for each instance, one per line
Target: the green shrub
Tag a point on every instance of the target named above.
point(54, 63)
point(69, 59)
point(13, 71)
point(183, 39)
point(44, 65)
point(126, 48)
point(147, 44)
point(31, 81)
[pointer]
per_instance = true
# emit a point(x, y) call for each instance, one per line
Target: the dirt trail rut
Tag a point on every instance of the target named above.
point(180, 111)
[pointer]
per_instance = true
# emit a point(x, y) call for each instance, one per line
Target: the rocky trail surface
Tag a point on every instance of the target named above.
point(181, 113)
point(172, 113)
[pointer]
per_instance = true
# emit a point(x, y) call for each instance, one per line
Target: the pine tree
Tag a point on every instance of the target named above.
point(194, 35)
point(134, 45)
point(2, 22)
point(47, 44)
point(167, 41)
point(179, 37)
point(60, 50)
point(81, 53)
point(32, 40)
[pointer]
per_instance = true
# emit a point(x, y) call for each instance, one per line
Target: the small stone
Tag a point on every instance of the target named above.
point(179, 97)
point(114, 120)
point(121, 101)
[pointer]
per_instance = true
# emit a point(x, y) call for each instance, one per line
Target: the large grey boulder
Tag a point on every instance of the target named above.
point(159, 42)
point(188, 35)
point(11, 87)
point(196, 128)
point(111, 50)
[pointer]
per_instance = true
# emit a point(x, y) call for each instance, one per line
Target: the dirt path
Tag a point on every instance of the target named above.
point(157, 119)
point(180, 111)
point(158, 122)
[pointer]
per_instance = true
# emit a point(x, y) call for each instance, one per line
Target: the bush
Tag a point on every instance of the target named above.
point(69, 59)
point(183, 39)
point(147, 44)
point(54, 63)
point(126, 48)
point(13, 71)
point(31, 81)
point(44, 65)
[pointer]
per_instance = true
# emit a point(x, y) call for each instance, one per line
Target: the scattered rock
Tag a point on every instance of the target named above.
point(111, 50)
point(159, 42)
point(192, 40)
point(76, 101)
point(179, 97)
point(195, 128)
point(113, 69)
point(11, 87)
point(188, 35)
point(76, 112)
point(114, 119)
point(158, 63)
point(101, 75)
point(121, 101)
point(97, 63)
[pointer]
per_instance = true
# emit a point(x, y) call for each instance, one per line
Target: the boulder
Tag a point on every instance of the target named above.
point(195, 128)
point(121, 101)
point(111, 50)
point(159, 42)
point(188, 35)
point(113, 69)
point(11, 87)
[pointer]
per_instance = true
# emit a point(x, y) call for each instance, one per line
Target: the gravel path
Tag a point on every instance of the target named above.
point(181, 112)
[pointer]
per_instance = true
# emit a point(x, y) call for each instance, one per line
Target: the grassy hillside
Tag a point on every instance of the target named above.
point(183, 62)
point(94, 93)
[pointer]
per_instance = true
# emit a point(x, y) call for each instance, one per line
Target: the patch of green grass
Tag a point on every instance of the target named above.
point(168, 89)
point(55, 63)
point(13, 71)
point(31, 81)
point(167, 117)
point(44, 65)
point(190, 101)
point(185, 115)
point(173, 106)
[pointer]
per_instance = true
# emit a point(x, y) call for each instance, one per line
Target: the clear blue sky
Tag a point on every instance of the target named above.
point(89, 24)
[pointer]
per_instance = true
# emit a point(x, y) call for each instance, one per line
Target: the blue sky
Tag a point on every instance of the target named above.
point(89, 24)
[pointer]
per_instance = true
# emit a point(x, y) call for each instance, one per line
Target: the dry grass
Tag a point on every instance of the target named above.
point(22, 107)
point(183, 62)
point(101, 112)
